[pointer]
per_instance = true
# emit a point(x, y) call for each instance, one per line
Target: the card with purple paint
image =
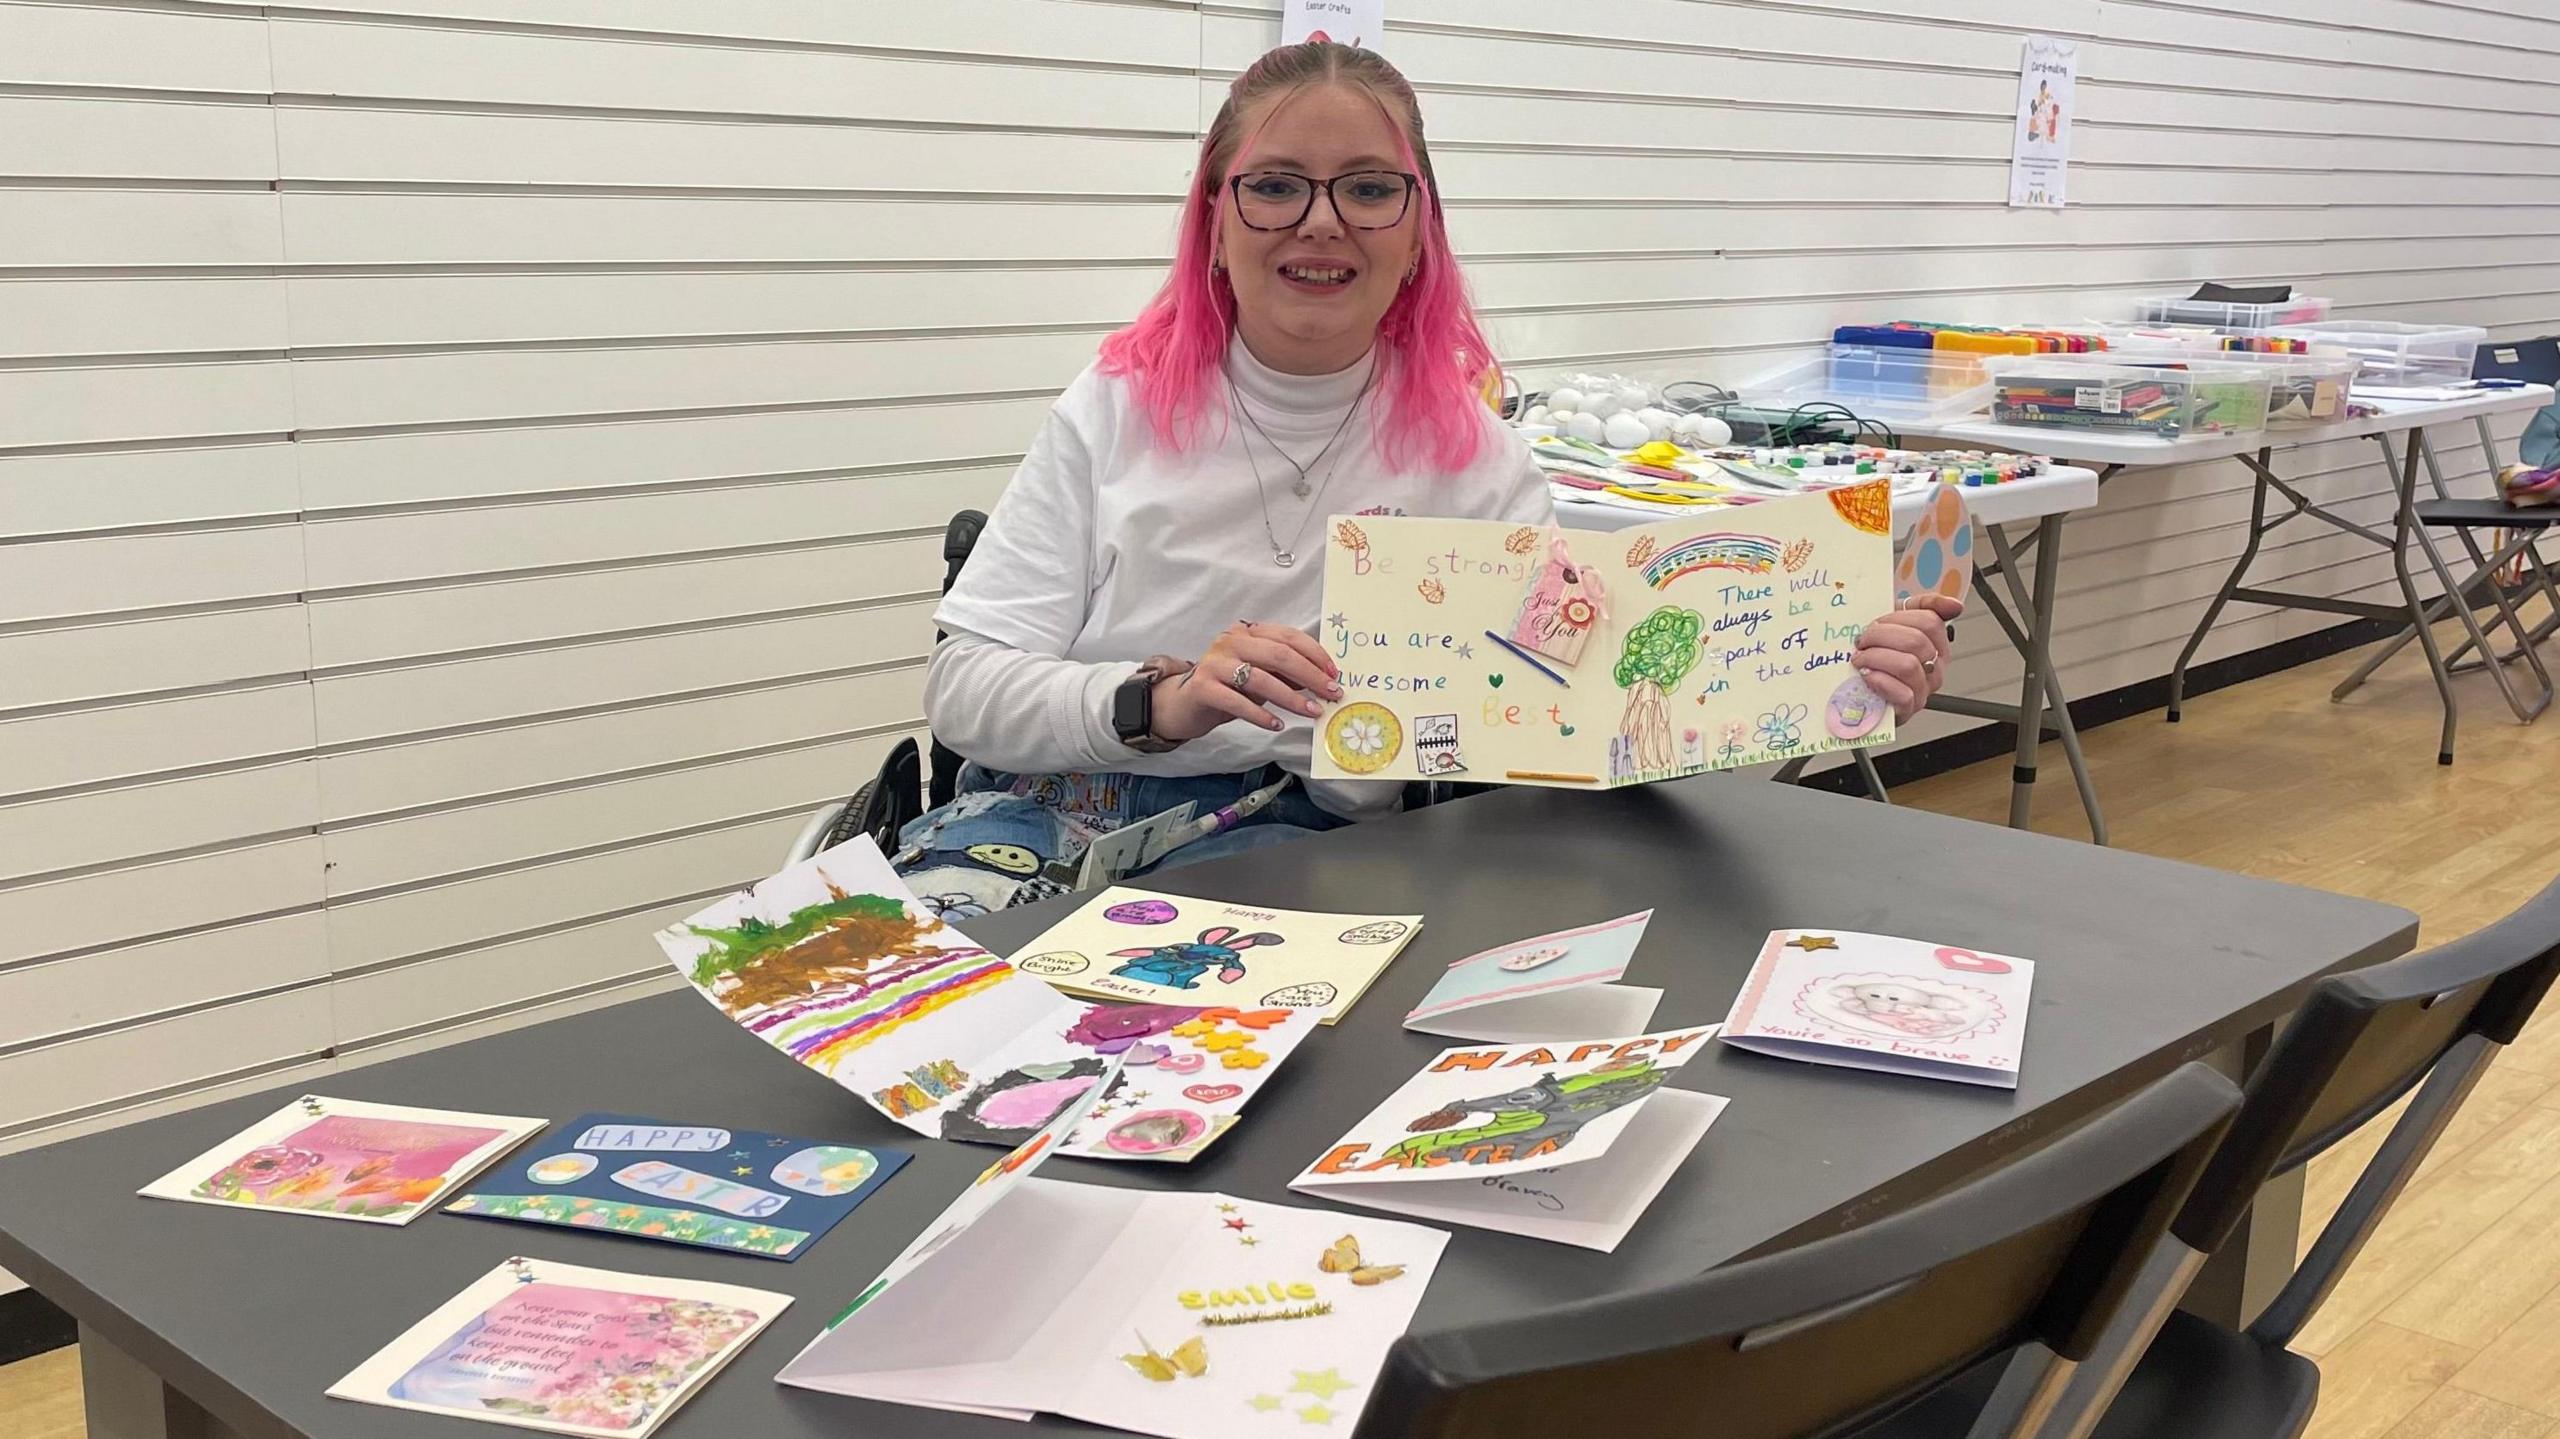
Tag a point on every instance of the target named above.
point(345, 1159)
point(1556, 986)
point(1188, 1072)
point(566, 1350)
point(1874, 1001)
point(742, 1190)
point(1176, 949)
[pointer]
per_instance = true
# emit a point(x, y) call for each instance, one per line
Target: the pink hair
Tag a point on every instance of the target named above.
point(1431, 353)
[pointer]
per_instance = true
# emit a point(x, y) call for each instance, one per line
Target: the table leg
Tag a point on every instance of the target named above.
point(2246, 1273)
point(125, 1400)
point(2040, 698)
point(2408, 484)
point(2258, 528)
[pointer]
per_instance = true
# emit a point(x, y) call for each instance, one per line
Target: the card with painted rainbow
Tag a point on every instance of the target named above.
point(1698, 643)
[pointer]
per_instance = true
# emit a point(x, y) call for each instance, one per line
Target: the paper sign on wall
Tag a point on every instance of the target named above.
point(1345, 22)
point(2040, 135)
point(1466, 650)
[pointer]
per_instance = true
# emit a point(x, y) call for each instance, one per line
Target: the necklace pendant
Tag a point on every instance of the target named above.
point(1302, 489)
point(1283, 558)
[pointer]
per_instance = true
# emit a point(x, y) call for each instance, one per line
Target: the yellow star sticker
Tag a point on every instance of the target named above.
point(1193, 1029)
point(1322, 1383)
point(1226, 1209)
point(1244, 1059)
point(1215, 1042)
point(744, 1171)
point(1315, 1414)
point(1264, 1403)
point(1247, 1239)
point(1811, 942)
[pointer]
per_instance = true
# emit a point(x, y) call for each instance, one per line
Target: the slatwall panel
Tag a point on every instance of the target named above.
point(471, 470)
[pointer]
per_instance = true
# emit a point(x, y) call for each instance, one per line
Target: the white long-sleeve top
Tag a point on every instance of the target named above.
point(1106, 549)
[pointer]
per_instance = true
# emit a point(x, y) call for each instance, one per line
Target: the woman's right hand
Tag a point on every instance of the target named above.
point(1282, 668)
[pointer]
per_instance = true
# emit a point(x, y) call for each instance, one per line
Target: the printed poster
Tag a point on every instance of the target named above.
point(1499, 653)
point(2040, 132)
point(567, 1350)
point(742, 1190)
point(1345, 22)
point(345, 1159)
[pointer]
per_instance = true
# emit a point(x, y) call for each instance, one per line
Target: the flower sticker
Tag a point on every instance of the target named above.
point(1783, 727)
point(1363, 738)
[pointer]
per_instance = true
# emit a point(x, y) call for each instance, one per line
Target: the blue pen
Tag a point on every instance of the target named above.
point(1523, 657)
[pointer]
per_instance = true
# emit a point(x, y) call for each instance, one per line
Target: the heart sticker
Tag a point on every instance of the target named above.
point(1566, 730)
point(1182, 1063)
point(1213, 1093)
point(1139, 1056)
point(1971, 962)
point(1494, 680)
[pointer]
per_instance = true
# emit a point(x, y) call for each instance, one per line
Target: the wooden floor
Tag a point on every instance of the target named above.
point(2449, 1326)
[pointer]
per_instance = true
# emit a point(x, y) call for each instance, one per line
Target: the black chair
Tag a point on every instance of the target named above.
point(2430, 1022)
point(1825, 1339)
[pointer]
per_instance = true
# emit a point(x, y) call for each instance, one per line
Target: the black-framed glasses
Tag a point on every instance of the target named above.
point(1365, 199)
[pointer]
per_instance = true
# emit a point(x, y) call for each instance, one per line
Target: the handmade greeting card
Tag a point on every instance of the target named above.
point(1556, 986)
point(568, 1350)
point(1130, 944)
point(345, 1159)
point(1194, 1316)
point(1872, 1001)
point(835, 963)
point(1479, 1121)
point(1188, 1073)
point(763, 1194)
point(1509, 653)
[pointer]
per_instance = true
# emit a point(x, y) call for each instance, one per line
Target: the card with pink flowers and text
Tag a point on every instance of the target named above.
point(345, 1159)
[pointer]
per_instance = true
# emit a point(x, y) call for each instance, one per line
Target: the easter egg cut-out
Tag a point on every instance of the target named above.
point(1970, 962)
point(826, 1170)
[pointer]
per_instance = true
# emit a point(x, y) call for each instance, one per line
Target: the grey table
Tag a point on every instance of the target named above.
point(2144, 964)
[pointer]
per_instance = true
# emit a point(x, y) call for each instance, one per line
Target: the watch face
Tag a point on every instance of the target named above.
point(1132, 707)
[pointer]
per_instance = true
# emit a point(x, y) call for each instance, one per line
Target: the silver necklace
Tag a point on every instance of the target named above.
point(1286, 555)
point(1302, 488)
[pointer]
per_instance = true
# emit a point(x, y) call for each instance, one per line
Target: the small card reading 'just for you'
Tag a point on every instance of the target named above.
point(1555, 986)
point(1872, 1001)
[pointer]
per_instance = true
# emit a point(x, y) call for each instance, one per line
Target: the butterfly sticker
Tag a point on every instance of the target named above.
point(1344, 1258)
point(1190, 1358)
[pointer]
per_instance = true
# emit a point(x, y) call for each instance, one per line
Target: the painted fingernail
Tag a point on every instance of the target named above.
point(1310, 707)
point(1333, 692)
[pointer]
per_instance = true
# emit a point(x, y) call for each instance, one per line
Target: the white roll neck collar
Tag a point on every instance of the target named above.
point(1300, 399)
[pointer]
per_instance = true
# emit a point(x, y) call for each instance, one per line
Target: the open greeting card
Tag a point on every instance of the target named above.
point(1131, 944)
point(345, 1159)
point(753, 1193)
point(835, 963)
point(568, 1350)
point(1505, 653)
point(1569, 1142)
point(1194, 1316)
point(1554, 986)
point(1872, 1001)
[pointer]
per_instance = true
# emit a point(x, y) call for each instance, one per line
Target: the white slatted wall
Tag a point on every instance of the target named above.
point(470, 470)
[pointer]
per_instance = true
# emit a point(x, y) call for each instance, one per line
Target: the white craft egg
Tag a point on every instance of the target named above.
point(1586, 428)
point(1657, 421)
point(1537, 415)
point(1602, 403)
point(1706, 430)
point(1625, 431)
point(1634, 397)
point(1564, 400)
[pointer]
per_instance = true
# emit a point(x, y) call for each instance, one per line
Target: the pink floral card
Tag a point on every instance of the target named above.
point(345, 1159)
point(565, 1349)
point(1873, 1001)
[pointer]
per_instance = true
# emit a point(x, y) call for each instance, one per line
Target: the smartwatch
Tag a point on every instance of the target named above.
point(1133, 705)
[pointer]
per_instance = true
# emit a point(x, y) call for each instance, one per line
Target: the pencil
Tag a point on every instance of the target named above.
point(1555, 778)
point(1522, 656)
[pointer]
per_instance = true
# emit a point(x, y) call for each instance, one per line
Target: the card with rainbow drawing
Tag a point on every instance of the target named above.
point(838, 965)
point(1496, 653)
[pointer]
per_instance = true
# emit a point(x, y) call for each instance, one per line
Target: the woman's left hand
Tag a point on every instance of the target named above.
point(1904, 654)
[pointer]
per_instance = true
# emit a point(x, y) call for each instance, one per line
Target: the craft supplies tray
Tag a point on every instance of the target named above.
point(2170, 401)
point(2226, 315)
point(1880, 383)
point(2307, 389)
point(2395, 353)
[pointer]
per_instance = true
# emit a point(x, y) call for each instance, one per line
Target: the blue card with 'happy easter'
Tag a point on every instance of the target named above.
point(768, 1195)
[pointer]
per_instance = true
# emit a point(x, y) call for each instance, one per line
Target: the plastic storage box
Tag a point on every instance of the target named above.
point(2307, 389)
point(2171, 400)
point(1892, 385)
point(2224, 315)
point(2400, 354)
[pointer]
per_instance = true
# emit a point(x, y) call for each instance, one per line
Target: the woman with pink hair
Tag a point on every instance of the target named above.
point(1134, 629)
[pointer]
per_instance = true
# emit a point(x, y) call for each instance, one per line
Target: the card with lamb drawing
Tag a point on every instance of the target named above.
point(1873, 1001)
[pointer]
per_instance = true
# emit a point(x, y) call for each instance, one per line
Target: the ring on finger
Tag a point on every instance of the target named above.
point(1243, 676)
point(1928, 664)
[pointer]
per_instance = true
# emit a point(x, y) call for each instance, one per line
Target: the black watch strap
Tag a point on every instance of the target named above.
point(1133, 705)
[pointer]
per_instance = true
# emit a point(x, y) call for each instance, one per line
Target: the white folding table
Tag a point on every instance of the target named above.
point(2026, 617)
point(2410, 419)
